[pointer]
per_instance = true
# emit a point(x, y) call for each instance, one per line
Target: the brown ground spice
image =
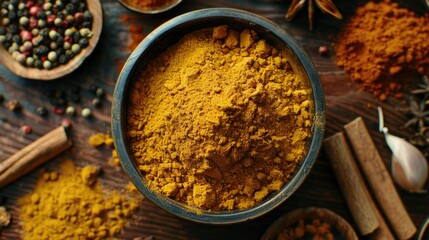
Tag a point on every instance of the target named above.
point(220, 120)
point(383, 46)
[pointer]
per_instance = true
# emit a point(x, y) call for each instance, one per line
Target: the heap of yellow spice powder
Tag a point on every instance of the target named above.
point(220, 120)
point(71, 204)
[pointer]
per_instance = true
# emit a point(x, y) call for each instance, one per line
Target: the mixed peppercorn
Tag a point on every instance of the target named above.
point(62, 103)
point(44, 33)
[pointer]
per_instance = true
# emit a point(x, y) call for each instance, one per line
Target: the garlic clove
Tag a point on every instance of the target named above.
point(409, 166)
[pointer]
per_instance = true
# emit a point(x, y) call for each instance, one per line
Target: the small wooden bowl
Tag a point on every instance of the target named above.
point(340, 227)
point(94, 6)
point(150, 10)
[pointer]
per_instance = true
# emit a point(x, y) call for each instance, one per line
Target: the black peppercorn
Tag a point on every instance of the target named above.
point(44, 33)
point(87, 16)
point(38, 64)
point(61, 15)
point(62, 59)
point(76, 37)
point(70, 8)
point(21, 13)
point(14, 2)
point(17, 39)
point(82, 7)
point(41, 50)
point(14, 29)
point(41, 15)
point(42, 111)
point(1, 98)
point(83, 42)
point(12, 16)
point(87, 24)
point(60, 41)
point(8, 37)
point(2, 30)
point(7, 45)
point(75, 97)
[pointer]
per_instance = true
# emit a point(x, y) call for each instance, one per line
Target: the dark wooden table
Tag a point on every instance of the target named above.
point(320, 189)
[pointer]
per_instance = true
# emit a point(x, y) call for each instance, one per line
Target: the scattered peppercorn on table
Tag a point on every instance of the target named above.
point(29, 109)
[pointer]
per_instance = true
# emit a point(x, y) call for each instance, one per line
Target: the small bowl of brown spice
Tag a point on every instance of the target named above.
point(150, 6)
point(218, 116)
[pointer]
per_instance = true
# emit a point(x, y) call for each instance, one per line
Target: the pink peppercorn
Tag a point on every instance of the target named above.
point(50, 19)
point(323, 50)
point(26, 35)
point(29, 3)
point(27, 129)
point(33, 22)
point(34, 10)
point(58, 111)
point(78, 17)
point(66, 123)
point(68, 39)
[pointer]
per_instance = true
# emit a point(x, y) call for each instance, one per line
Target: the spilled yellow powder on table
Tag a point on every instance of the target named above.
point(72, 205)
point(99, 139)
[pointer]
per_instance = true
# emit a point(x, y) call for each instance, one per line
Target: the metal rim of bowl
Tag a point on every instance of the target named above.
point(180, 209)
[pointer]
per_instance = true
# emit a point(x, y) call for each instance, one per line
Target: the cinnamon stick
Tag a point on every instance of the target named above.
point(353, 187)
point(33, 155)
point(348, 178)
point(379, 179)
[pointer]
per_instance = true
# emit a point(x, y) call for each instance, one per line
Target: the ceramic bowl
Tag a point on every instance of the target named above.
point(340, 228)
point(150, 10)
point(168, 34)
point(94, 6)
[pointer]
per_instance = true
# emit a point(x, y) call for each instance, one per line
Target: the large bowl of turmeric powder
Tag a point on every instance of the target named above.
point(218, 116)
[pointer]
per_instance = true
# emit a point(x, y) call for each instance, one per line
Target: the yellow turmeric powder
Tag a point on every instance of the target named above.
point(220, 120)
point(71, 205)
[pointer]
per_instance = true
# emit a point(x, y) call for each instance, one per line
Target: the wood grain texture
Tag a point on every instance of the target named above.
point(344, 103)
point(94, 6)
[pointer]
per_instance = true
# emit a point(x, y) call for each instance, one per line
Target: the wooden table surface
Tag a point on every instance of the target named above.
point(344, 103)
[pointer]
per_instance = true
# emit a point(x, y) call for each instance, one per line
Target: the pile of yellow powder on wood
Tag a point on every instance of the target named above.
point(99, 139)
point(220, 120)
point(71, 204)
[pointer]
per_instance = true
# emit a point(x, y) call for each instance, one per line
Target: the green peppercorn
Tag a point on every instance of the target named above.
point(41, 23)
point(29, 61)
point(66, 45)
point(53, 34)
point(20, 58)
point(75, 48)
point(23, 21)
point(52, 56)
point(86, 112)
point(47, 64)
point(2, 38)
point(70, 110)
point(57, 22)
point(96, 102)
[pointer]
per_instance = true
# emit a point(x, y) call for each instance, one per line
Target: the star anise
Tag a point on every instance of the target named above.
point(327, 6)
point(423, 87)
point(419, 113)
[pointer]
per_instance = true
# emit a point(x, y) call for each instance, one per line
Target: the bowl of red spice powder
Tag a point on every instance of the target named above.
point(218, 116)
point(150, 6)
